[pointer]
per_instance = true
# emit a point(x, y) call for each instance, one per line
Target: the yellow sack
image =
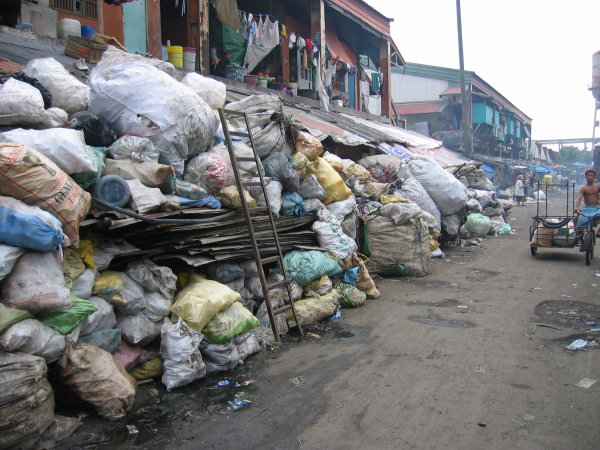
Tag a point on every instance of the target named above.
point(72, 265)
point(355, 170)
point(376, 190)
point(201, 300)
point(86, 252)
point(301, 162)
point(331, 181)
point(311, 310)
point(230, 197)
point(334, 161)
point(149, 369)
point(309, 145)
point(385, 199)
point(433, 244)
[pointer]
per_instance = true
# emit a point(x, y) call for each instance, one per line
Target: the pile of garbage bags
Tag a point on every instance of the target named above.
point(134, 137)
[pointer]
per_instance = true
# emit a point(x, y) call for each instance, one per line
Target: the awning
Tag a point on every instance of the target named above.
point(406, 109)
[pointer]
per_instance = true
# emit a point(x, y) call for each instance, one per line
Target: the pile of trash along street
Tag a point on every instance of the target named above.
point(124, 254)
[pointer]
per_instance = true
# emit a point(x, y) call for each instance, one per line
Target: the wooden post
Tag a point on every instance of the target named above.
point(317, 26)
point(386, 68)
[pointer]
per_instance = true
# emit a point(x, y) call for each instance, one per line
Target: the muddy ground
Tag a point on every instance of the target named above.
point(471, 356)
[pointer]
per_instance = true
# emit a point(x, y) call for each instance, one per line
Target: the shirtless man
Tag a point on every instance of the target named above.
point(590, 193)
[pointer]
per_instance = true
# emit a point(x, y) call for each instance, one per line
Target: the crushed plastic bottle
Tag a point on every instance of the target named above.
point(578, 344)
point(223, 383)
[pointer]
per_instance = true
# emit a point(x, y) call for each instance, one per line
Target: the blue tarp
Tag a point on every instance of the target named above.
point(489, 172)
point(540, 169)
point(578, 164)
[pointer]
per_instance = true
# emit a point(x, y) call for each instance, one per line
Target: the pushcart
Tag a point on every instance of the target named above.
point(552, 228)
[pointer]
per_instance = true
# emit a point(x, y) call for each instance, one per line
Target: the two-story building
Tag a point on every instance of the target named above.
point(429, 97)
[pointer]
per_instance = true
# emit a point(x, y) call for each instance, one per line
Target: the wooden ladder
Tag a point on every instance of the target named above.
point(250, 213)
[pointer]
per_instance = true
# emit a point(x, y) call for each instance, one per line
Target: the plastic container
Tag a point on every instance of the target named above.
point(235, 73)
point(88, 31)
point(68, 27)
point(309, 93)
point(275, 86)
point(293, 87)
point(263, 82)
point(189, 58)
point(112, 189)
point(176, 55)
point(251, 79)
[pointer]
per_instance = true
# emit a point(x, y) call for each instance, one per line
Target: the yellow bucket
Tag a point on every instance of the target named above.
point(262, 82)
point(176, 55)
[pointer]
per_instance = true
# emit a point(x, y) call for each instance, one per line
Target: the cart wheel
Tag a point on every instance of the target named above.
point(588, 239)
point(533, 250)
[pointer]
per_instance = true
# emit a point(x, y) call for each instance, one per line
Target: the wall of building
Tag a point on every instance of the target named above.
point(408, 88)
point(43, 18)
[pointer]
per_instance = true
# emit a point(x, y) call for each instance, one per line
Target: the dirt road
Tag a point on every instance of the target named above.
point(451, 360)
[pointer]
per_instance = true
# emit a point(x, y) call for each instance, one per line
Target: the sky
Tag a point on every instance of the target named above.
point(536, 53)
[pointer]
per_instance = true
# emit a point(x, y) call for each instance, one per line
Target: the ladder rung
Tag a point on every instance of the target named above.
point(239, 133)
point(270, 259)
point(251, 183)
point(277, 284)
point(258, 209)
point(245, 158)
point(282, 309)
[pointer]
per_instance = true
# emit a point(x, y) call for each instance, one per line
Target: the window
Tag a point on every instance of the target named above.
point(84, 8)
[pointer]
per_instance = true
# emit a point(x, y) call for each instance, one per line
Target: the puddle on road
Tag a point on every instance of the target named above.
point(434, 319)
point(327, 331)
point(568, 314)
point(446, 303)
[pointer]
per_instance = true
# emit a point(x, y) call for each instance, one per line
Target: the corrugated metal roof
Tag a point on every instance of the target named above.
point(406, 109)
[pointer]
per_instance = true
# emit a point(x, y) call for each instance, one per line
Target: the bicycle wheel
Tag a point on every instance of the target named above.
point(588, 239)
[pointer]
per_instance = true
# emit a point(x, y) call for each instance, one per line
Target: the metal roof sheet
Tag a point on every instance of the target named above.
point(451, 91)
point(406, 109)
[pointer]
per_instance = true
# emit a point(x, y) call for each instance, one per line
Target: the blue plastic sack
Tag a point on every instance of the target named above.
point(207, 200)
point(27, 226)
point(351, 276)
point(292, 205)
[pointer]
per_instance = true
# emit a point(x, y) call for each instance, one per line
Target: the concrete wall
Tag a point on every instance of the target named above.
point(41, 16)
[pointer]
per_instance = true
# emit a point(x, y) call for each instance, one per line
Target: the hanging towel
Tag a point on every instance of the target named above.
point(283, 31)
point(375, 81)
point(304, 59)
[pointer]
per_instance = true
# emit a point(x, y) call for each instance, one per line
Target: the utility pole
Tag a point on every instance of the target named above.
point(466, 120)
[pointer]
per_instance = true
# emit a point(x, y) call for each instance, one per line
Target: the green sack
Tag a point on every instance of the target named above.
point(66, 320)
point(88, 179)
point(478, 225)
point(307, 266)
point(352, 297)
point(229, 323)
point(149, 369)
point(10, 316)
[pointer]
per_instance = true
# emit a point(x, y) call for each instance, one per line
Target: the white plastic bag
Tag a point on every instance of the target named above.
point(103, 318)
point(33, 337)
point(331, 236)
point(36, 283)
point(8, 257)
point(144, 199)
point(449, 194)
point(179, 347)
point(68, 93)
point(20, 103)
point(138, 329)
point(65, 147)
point(169, 113)
point(210, 90)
